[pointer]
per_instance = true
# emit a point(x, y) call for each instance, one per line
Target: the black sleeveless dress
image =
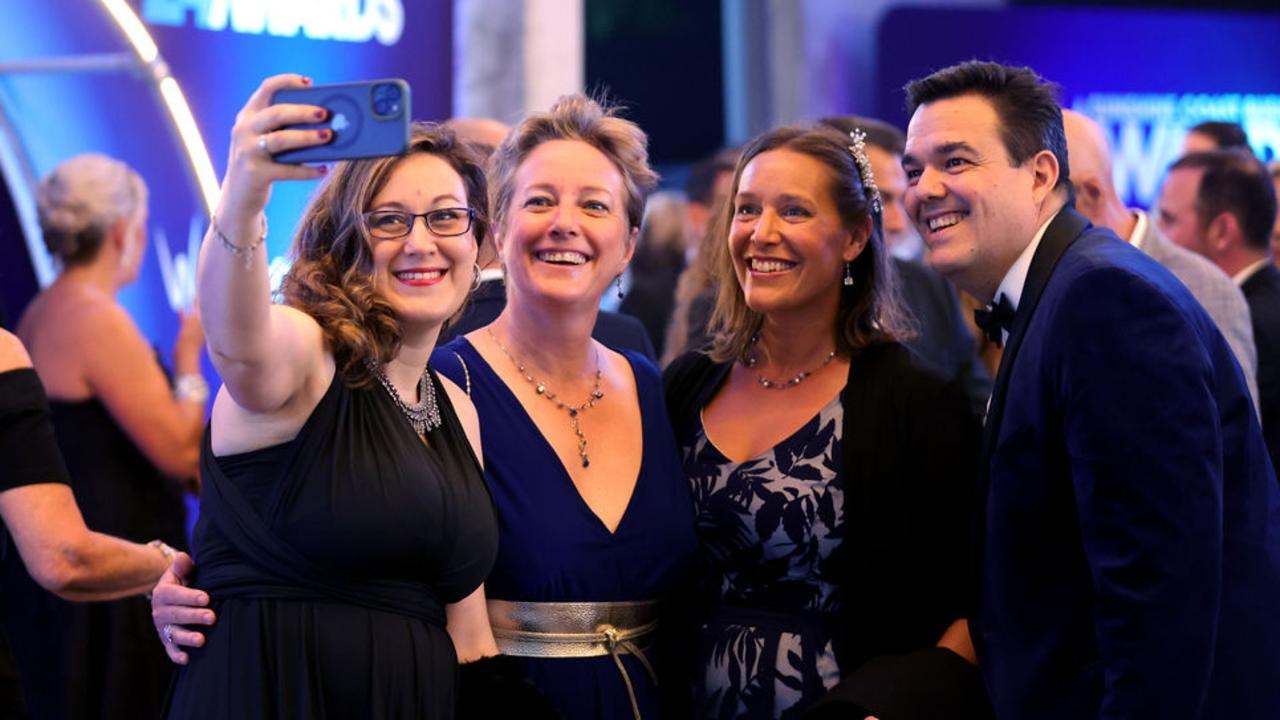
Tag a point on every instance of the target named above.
point(329, 560)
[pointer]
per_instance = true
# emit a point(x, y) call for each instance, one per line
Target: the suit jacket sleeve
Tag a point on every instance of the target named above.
point(1145, 451)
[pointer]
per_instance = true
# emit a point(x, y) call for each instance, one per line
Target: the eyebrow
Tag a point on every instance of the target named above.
point(585, 189)
point(437, 199)
point(949, 148)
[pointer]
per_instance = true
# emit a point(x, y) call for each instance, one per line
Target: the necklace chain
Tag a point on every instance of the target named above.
point(573, 410)
point(423, 415)
point(750, 360)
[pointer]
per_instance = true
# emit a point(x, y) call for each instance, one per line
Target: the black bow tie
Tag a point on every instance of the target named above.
point(995, 319)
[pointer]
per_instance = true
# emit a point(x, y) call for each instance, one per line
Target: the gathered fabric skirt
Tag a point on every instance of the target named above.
point(270, 658)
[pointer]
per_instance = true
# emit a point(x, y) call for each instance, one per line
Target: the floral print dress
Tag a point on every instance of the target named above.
point(769, 531)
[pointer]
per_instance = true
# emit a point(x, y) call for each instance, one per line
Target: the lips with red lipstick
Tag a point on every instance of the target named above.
point(420, 276)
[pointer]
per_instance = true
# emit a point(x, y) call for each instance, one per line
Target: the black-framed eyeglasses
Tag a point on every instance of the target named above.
point(395, 224)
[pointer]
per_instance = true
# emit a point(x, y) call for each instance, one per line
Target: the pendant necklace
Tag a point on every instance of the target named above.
point(542, 389)
point(423, 415)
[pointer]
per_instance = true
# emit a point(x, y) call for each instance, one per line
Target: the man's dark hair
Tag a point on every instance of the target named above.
point(700, 185)
point(1226, 135)
point(1234, 181)
point(1030, 117)
point(879, 133)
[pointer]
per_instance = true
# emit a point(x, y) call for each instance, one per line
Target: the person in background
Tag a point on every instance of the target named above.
point(596, 523)
point(659, 259)
point(345, 529)
point(1222, 205)
point(1097, 200)
point(129, 435)
point(1215, 135)
point(706, 187)
point(942, 337)
point(40, 515)
point(1274, 169)
point(831, 474)
point(616, 330)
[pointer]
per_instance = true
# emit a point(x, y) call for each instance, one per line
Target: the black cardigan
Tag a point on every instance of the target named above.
point(910, 454)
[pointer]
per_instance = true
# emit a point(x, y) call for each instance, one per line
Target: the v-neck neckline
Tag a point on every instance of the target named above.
point(565, 476)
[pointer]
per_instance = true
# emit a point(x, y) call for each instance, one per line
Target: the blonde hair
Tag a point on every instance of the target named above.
point(331, 276)
point(870, 311)
point(78, 202)
point(576, 117)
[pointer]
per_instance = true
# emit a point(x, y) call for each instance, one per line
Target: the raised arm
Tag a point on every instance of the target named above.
point(265, 353)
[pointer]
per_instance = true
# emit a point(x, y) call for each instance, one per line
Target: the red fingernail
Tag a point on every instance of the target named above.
point(324, 169)
point(306, 80)
point(320, 114)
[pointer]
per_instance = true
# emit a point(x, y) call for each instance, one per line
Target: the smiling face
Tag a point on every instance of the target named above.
point(565, 234)
point(423, 276)
point(975, 211)
point(787, 241)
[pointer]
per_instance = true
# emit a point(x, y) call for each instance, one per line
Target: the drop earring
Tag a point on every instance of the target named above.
point(617, 281)
point(848, 276)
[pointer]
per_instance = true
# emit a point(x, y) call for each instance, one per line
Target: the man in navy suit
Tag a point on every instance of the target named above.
point(1128, 554)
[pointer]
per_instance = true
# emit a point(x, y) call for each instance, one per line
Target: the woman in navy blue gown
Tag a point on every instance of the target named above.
point(595, 520)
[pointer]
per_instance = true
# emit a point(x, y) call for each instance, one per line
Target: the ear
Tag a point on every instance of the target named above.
point(1089, 196)
point(1045, 168)
point(856, 240)
point(1222, 233)
point(632, 237)
point(119, 235)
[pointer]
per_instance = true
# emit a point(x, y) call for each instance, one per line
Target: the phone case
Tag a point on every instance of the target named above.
point(368, 119)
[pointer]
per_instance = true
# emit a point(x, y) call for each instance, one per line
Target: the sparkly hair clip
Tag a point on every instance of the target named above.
point(859, 152)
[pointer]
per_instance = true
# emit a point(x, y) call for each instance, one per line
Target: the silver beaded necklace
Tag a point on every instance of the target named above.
point(423, 415)
point(750, 360)
point(574, 410)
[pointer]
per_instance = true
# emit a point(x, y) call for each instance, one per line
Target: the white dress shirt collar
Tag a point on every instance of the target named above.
point(1014, 280)
point(1243, 276)
point(1139, 234)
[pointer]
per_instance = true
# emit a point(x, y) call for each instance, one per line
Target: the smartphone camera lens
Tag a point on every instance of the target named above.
point(386, 99)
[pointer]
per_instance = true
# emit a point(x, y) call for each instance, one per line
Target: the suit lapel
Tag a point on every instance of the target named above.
point(1064, 229)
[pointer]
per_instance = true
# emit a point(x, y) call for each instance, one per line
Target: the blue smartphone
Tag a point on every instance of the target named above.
point(368, 119)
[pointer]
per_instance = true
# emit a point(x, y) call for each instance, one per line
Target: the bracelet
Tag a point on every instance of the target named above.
point(245, 251)
point(191, 386)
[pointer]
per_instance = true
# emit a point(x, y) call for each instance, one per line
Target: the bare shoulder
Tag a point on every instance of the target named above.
point(12, 354)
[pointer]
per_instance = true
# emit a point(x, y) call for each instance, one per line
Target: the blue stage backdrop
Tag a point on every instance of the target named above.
point(1145, 75)
point(218, 50)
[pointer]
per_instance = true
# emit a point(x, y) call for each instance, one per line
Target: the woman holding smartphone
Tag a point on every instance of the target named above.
point(344, 520)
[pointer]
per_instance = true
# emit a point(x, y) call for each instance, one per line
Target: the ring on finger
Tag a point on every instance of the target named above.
point(168, 633)
point(262, 144)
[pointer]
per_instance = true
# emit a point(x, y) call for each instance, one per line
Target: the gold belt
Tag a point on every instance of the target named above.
point(576, 629)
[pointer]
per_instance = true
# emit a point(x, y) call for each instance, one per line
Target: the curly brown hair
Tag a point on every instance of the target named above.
point(870, 310)
point(331, 277)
